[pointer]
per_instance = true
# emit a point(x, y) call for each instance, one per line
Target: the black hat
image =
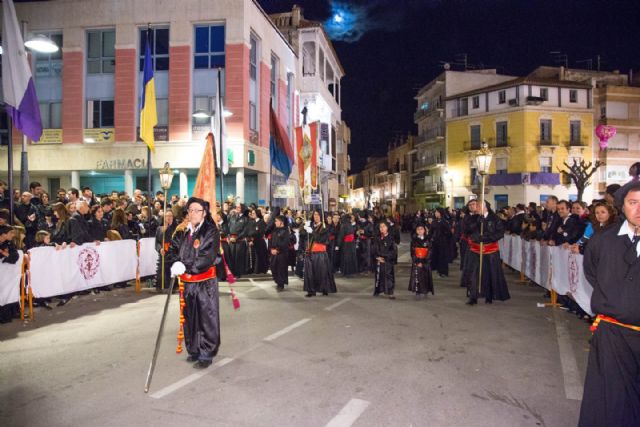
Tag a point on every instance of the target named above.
point(199, 201)
point(623, 191)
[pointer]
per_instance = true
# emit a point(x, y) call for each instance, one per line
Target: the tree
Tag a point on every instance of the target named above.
point(580, 174)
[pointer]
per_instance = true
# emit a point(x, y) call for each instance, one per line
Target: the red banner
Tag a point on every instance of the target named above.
point(300, 159)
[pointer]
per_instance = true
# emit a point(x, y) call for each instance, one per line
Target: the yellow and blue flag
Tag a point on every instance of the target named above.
point(148, 113)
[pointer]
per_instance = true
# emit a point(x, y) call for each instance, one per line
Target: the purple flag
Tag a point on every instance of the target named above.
point(17, 83)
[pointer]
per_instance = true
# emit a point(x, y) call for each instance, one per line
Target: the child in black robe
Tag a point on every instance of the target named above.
point(421, 281)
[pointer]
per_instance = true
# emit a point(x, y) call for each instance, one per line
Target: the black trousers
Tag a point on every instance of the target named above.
point(202, 319)
point(280, 268)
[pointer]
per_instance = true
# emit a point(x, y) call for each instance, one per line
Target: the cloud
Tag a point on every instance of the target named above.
point(350, 21)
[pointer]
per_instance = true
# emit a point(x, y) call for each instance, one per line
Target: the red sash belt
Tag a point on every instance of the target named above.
point(363, 237)
point(318, 247)
point(487, 248)
point(603, 318)
point(224, 239)
point(421, 252)
point(191, 278)
point(348, 238)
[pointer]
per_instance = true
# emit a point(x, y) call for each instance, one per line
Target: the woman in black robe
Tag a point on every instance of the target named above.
point(279, 249)
point(166, 230)
point(334, 242)
point(493, 285)
point(318, 274)
point(257, 247)
point(385, 254)
point(467, 224)
point(440, 236)
point(348, 258)
point(421, 281)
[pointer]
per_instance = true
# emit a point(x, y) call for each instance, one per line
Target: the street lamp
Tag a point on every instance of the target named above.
point(166, 176)
point(483, 164)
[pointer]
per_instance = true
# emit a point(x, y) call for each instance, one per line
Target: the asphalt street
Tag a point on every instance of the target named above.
point(286, 360)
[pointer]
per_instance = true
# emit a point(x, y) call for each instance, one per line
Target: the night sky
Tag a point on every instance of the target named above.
point(391, 48)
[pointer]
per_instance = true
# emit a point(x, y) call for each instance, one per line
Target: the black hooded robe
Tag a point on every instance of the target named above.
point(385, 278)
point(348, 258)
point(279, 264)
point(494, 285)
point(421, 280)
point(318, 273)
point(440, 235)
point(612, 389)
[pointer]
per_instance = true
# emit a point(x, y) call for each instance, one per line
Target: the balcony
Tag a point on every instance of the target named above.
point(471, 145)
point(548, 142)
point(430, 188)
point(526, 178)
point(432, 135)
point(578, 142)
point(427, 112)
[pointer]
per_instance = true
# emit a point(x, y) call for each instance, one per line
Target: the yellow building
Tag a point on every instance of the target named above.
point(532, 126)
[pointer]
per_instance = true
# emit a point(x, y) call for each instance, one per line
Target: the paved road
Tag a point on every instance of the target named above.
point(347, 359)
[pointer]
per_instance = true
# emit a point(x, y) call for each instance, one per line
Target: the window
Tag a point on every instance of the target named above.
point(101, 52)
point(501, 134)
point(159, 46)
point(99, 114)
point(204, 103)
point(51, 115)
point(502, 97)
point(475, 178)
point(573, 95)
point(476, 101)
point(475, 137)
point(545, 164)
point(274, 81)
point(501, 165)
point(544, 93)
point(463, 106)
point(575, 137)
point(603, 111)
point(49, 64)
point(162, 110)
point(321, 63)
point(209, 47)
point(545, 131)
point(253, 84)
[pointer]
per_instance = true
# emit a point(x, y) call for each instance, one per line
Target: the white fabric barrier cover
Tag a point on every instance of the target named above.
point(148, 257)
point(58, 272)
point(551, 267)
point(10, 275)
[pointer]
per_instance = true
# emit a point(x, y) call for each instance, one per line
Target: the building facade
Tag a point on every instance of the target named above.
point(320, 74)
point(90, 92)
point(429, 172)
point(532, 125)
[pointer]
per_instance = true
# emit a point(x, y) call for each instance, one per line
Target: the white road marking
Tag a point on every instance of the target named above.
point(191, 378)
point(258, 286)
point(349, 413)
point(338, 304)
point(289, 328)
point(573, 387)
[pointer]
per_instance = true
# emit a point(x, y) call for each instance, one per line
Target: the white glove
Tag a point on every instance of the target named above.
point(337, 248)
point(177, 269)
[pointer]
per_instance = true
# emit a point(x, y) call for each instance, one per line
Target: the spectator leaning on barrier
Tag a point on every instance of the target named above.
point(79, 225)
point(602, 217)
point(569, 229)
point(612, 266)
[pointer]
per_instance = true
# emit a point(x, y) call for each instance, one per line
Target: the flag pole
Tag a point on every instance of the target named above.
point(222, 155)
point(149, 184)
point(10, 165)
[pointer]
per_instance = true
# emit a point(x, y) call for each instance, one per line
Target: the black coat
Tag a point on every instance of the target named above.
point(569, 231)
point(79, 229)
point(198, 251)
point(97, 230)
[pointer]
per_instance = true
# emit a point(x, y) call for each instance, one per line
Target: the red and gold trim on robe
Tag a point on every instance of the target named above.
point(487, 248)
point(201, 277)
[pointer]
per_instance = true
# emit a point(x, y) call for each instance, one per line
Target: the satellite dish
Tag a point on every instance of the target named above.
point(446, 66)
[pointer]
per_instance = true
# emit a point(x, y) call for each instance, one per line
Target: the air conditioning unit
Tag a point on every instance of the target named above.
point(513, 102)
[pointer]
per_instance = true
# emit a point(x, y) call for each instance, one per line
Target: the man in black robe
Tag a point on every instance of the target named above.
point(487, 230)
point(612, 267)
point(238, 228)
point(467, 228)
point(364, 233)
point(279, 249)
point(194, 257)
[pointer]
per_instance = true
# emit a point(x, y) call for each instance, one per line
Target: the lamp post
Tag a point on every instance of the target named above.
point(166, 176)
point(483, 163)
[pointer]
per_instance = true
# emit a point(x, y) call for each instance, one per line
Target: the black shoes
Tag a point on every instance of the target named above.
point(310, 294)
point(279, 288)
point(488, 301)
point(202, 364)
point(191, 358)
point(472, 301)
point(325, 293)
point(62, 302)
